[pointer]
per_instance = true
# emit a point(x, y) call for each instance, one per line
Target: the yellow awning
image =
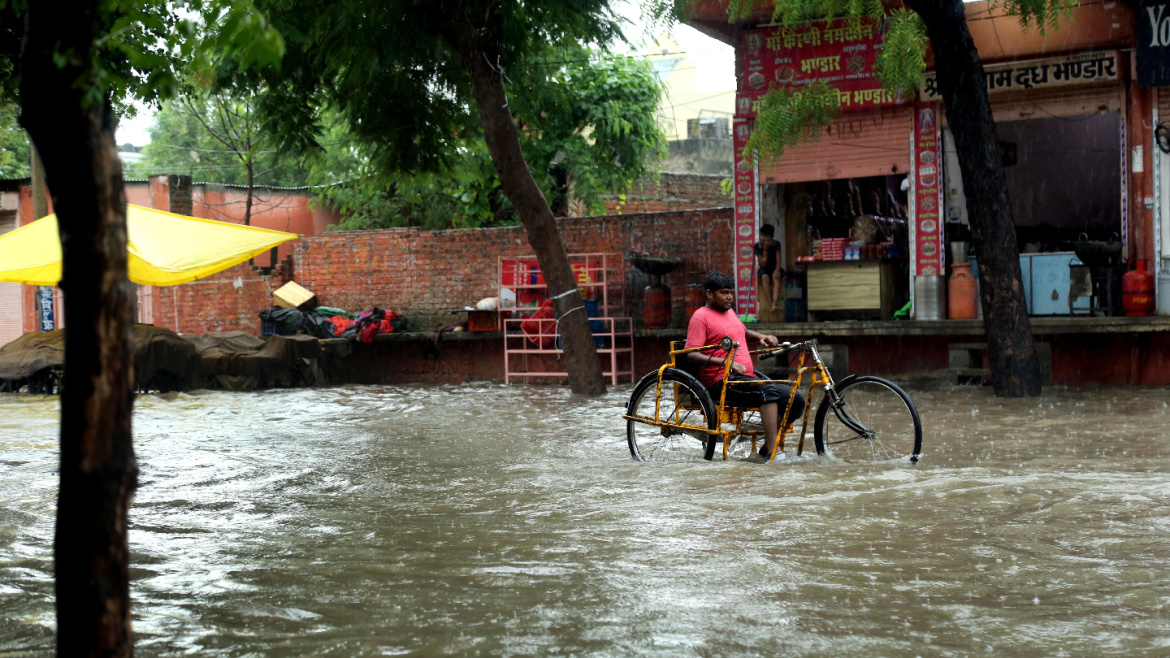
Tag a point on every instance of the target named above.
point(164, 249)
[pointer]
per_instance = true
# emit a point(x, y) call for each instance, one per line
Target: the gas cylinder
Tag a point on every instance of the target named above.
point(693, 299)
point(1137, 291)
point(962, 300)
point(656, 309)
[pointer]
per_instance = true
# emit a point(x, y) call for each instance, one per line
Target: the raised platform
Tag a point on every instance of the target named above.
point(1041, 326)
point(1106, 350)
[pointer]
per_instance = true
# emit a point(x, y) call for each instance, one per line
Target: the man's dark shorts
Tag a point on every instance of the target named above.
point(750, 395)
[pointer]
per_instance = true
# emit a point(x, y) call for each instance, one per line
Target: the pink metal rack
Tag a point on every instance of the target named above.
point(532, 346)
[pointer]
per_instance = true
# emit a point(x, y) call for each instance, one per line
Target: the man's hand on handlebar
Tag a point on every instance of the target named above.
point(761, 339)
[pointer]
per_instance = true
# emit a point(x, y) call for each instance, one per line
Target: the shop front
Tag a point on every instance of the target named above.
point(1061, 125)
point(871, 211)
point(838, 201)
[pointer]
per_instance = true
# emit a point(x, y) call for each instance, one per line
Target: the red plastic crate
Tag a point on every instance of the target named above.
point(542, 334)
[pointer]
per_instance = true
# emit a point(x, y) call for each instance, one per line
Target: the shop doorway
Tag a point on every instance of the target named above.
point(846, 246)
point(1063, 179)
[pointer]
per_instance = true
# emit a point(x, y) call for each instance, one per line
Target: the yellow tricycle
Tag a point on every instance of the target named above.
point(671, 416)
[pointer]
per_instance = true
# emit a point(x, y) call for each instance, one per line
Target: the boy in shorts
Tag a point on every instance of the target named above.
point(711, 324)
point(768, 271)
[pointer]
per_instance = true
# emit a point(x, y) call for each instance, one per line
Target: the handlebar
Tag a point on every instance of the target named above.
point(783, 348)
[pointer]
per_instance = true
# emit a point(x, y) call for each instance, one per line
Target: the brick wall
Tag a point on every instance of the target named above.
point(673, 191)
point(426, 274)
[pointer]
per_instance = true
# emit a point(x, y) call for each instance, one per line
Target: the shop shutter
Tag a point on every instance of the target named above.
point(11, 308)
point(854, 146)
point(1066, 102)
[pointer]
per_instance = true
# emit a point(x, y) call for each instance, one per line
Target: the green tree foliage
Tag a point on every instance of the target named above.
point(589, 130)
point(356, 57)
point(592, 123)
point(14, 149)
point(213, 136)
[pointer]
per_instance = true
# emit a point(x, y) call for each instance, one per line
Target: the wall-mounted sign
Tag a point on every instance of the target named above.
point(1153, 43)
point(1085, 68)
point(45, 315)
point(841, 53)
point(927, 168)
point(745, 220)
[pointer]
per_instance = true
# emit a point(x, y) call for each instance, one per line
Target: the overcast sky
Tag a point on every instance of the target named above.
point(714, 61)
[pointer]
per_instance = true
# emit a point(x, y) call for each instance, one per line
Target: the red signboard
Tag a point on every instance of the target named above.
point(842, 53)
point(745, 221)
point(927, 168)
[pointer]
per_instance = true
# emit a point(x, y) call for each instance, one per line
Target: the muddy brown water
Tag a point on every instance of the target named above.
point(491, 520)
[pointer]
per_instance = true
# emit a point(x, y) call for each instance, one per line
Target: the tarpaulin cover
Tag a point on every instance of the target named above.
point(156, 351)
point(164, 249)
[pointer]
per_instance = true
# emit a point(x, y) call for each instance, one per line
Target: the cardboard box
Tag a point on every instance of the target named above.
point(290, 295)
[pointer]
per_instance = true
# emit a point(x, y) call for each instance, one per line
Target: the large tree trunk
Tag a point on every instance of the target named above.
point(473, 48)
point(74, 132)
point(1015, 368)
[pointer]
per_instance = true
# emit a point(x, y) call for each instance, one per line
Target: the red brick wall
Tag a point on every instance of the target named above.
point(426, 274)
point(671, 192)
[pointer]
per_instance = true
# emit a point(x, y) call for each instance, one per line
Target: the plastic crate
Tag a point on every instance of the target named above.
point(539, 329)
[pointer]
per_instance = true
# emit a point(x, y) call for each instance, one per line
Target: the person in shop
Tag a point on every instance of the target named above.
point(769, 274)
point(712, 323)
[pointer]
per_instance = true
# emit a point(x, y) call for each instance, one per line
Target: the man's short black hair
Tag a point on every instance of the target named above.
point(768, 229)
point(718, 281)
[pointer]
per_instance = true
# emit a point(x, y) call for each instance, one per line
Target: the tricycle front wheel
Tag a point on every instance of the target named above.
point(876, 422)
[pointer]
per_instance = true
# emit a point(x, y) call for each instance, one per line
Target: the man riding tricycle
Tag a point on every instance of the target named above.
point(710, 394)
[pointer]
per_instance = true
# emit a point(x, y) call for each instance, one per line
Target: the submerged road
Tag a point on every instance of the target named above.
point(495, 520)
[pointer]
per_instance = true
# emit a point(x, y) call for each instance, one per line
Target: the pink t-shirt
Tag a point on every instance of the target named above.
point(708, 327)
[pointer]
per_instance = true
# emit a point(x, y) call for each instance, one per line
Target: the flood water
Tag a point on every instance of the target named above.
point(493, 520)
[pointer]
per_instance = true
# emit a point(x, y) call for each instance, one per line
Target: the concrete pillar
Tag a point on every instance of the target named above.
point(1141, 170)
point(172, 193)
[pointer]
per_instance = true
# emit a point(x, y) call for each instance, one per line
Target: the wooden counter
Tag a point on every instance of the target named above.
point(852, 285)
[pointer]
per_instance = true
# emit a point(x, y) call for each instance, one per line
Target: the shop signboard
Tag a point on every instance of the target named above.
point(45, 308)
point(927, 168)
point(745, 220)
point(841, 53)
point(1153, 43)
point(1053, 72)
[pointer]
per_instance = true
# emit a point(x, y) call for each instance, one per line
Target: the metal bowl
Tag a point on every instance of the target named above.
point(655, 265)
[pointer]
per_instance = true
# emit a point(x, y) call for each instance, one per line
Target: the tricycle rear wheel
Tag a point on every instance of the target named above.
point(683, 402)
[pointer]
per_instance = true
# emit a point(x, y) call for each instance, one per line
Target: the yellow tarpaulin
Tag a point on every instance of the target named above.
point(164, 249)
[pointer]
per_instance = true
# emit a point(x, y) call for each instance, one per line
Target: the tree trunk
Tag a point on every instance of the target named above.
point(74, 133)
point(560, 202)
point(248, 200)
point(1015, 368)
point(503, 143)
